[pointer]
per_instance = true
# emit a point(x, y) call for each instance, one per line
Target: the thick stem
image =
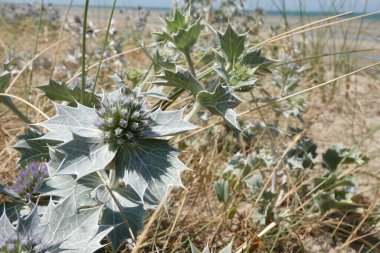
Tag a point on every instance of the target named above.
point(197, 106)
point(113, 182)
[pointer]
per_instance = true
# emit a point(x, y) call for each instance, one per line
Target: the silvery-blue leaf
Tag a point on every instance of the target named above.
point(194, 249)
point(84, 155)
point(227, 249)
point(64, 185)
point(220, 102)
point(125, 223)
point(79, 120)
point(33, 149)
point(8, 192)
point(77, 230)
point(167, 123)
point(14, 208)
point(149, 165)
point(6, 228)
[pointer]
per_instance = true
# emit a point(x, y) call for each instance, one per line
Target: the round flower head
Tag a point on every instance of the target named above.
point(122, 119)
point(29, 179)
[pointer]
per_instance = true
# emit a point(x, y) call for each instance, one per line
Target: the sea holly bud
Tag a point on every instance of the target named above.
point(122, 118)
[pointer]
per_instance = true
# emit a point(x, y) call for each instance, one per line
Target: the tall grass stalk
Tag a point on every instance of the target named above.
point(84, 32)
point(34, 52)
point(103, 48)
point(60, 36)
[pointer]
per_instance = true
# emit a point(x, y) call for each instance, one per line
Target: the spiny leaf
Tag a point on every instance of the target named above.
point(64, 185)
point(84, 155)
point(184, 39)
point(125, 221)
point(160, 61)
point(326, 202)
point(254, 59)
point(220, 102)
point(167, 123)
point(178, 22)
point(91, 191)
point(31, 148)
point(69, 120)
point(61, 92)
point(227, 249)
point(15, 208)
point(231, 43)
point(195, 250)
point(150, 165)
point(182, 79)
point(338, 154)
point(78, 230)
point(303, 155)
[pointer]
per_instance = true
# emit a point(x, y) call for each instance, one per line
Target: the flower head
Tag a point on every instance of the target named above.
point(21, 243)
point(30, 178)
point(122, 119)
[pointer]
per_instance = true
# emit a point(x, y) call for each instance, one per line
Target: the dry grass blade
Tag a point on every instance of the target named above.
point(25, 102)
point(112, 57)
point(301, 27)
point(60, 36)
point(295, 31)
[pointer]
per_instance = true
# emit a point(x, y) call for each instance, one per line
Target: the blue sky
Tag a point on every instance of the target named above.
point(311, 5)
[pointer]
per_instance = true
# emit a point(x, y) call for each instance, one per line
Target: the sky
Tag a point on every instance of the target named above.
point(292, 5)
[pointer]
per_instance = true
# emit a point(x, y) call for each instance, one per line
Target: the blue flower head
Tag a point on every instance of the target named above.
point(30, 178)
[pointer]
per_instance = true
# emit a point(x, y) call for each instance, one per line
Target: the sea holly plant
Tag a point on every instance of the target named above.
point(114, 157)
point(235, 67)
point(62, 228)
point(123, 136)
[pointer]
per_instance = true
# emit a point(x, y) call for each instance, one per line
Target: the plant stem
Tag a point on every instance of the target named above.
point(84, 32)
point(196, 107)
point(103, 49)
point(113, 183)
point(145, 83)
point(190, 63)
